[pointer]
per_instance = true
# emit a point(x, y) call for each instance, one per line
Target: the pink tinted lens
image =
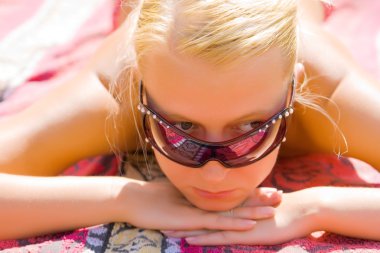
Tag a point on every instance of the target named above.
point(242, 147)
point(190, 152)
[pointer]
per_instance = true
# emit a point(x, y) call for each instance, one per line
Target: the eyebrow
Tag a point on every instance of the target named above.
point(257, 115)
point(260, 115)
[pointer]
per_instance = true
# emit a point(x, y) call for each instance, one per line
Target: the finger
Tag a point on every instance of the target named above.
point(192, 218)
point(229, 213)
point(217, 238)
point(254, 213)
point(264, 197)
point(184, 233)
point(215, 221)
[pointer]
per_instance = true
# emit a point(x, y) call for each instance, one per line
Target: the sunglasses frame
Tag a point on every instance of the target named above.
point(284, 113)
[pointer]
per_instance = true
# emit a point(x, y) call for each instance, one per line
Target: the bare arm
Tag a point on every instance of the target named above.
point(353, 93)
point(69, 123)
point(33, 206)
point(354, 97)
point(349, 211)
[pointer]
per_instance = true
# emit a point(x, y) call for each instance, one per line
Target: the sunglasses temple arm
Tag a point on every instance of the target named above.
point(293, 92)
point(140, 91)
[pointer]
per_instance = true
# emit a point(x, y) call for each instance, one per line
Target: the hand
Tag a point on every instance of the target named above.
point(159, 205)
point(294, 218)
point(260, 205)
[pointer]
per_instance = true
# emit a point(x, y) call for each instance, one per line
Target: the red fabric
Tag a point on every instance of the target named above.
point(100, 165)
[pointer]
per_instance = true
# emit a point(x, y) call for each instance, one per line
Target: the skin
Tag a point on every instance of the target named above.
point(299, 214)
point(179, 88)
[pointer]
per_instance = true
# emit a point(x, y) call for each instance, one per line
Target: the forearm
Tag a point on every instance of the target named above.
point(349, 211)
point(33, 206)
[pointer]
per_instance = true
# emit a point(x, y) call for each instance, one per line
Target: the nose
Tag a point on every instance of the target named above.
point(215, 135)
point(214, 172)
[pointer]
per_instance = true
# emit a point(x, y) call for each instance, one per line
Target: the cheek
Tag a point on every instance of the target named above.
point(253, 175)
point(175, 172)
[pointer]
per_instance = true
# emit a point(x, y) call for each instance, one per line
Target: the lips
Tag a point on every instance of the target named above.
point(213, 195)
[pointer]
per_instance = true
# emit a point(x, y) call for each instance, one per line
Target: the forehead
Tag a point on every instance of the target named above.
point(183, 85)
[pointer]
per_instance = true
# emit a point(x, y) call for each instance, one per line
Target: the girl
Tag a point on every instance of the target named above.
point(210, 85)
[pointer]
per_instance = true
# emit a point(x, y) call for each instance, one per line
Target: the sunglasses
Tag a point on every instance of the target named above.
point(189, 151)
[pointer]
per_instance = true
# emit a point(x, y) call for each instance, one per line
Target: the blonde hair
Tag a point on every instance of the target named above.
point(219, 31)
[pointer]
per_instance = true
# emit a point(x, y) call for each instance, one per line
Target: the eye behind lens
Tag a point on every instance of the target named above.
point(186, 125)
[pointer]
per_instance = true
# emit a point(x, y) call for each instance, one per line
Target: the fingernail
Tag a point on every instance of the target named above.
point(277, 195)
point(270, 190)
point(270, 194)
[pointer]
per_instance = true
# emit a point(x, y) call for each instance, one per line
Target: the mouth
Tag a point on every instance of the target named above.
point(213, 195)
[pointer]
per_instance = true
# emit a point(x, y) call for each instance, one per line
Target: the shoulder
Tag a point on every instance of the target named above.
point(311, 10)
